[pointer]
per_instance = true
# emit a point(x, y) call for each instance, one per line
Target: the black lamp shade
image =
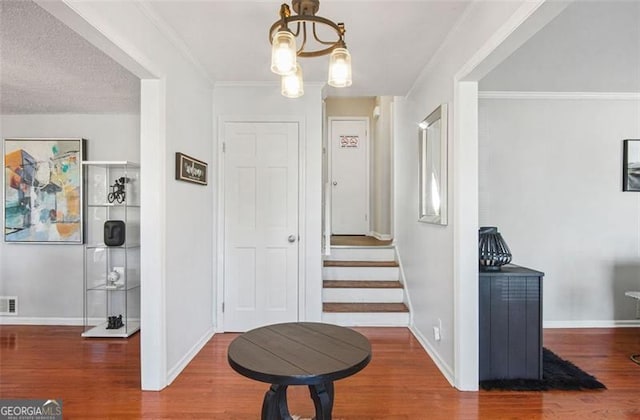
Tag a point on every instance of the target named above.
point(493, 250)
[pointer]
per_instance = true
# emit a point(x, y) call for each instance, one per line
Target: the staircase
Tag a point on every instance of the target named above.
point(362, 287)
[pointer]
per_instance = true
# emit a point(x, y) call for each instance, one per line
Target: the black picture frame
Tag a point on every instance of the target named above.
point(631, 165)
point(190, 169)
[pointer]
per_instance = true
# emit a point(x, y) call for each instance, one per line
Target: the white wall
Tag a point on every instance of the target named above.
point(47, 279)
point(427, 251)
point(550, 179)
point(178, 252)
point(264, 103)
point(381, 169)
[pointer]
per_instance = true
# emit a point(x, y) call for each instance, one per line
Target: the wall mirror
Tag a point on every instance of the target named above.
point(433, 167)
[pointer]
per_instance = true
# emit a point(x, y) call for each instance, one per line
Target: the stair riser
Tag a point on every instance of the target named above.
point(362, 254)
point(340, 295)
point(360, 273)
point(367, 319)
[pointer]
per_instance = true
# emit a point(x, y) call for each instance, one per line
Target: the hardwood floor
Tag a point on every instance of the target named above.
point(357, 240)
point(99, 378)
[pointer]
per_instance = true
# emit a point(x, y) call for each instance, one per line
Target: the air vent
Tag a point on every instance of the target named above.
point(8, 305)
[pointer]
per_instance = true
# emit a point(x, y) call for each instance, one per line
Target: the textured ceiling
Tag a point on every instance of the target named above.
point(592, 46)
point(45, 67)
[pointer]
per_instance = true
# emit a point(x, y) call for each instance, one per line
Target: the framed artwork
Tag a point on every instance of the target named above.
point(42, 190)
point(190, 169)
point(631, 165)
point(433, 167)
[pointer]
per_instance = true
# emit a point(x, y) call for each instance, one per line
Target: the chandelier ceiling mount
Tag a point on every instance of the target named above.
point(307, 24)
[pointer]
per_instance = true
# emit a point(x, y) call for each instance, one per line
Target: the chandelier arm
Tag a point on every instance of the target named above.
point(297, 32)
point(315, 36)
point(304, 38)
point(306, 18)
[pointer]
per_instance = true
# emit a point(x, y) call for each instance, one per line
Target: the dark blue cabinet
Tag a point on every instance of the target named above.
point(510, 323)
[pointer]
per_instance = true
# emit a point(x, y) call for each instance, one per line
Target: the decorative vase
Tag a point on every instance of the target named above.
point(493, 250)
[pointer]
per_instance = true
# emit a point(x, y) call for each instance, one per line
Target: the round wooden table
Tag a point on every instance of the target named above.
point(299, 353)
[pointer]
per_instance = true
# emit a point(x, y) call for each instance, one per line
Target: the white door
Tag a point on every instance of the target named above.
point(349, 177)
point(261, 224)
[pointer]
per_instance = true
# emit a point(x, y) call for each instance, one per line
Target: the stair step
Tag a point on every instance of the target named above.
point(362, 254)
point(367, 319)
point(361, 284)
point(328, 263)
point(364, 307)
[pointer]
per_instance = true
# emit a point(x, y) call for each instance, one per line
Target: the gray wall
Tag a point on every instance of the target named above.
point(47, 279)
point(550, 179)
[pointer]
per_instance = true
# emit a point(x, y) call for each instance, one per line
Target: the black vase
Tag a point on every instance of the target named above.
point(114, 232)
point(492, 249)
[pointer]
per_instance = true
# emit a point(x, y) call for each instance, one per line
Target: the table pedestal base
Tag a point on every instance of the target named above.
point(274, 406)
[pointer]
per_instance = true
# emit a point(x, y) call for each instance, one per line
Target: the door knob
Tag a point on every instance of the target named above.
point(335, 183)
point(291, 238)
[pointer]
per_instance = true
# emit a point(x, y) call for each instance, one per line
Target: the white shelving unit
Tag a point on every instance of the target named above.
point(111, 273)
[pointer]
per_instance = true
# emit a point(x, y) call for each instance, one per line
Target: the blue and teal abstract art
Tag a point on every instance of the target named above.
point(42, 191)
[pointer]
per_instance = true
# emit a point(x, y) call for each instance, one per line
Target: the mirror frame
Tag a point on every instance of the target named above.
point(433, 167)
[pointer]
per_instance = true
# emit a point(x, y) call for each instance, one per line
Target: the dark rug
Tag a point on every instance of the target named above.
point(557, 373)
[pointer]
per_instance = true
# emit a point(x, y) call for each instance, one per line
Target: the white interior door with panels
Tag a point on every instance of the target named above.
point(349, 176)
point(260, 224)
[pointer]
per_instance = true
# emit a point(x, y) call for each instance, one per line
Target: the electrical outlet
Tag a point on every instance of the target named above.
point(436, 333)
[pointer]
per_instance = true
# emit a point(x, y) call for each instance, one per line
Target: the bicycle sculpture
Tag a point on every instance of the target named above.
point(117, 190)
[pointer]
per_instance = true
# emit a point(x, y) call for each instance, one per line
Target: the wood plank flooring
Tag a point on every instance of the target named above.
point(364, 307)
point(99, 378)
point(361, 284)
point(357, 240)
point(335, 263)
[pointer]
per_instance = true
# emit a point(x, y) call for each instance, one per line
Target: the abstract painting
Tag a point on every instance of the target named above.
point(631, 165)
point(42, 190)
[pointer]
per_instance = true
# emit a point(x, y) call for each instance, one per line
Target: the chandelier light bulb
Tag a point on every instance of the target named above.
point(283, 53)
point(340, 68)
point(292, 84)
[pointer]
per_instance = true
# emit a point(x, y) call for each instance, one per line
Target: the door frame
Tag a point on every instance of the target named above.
point(220, 223)
point(330, 168)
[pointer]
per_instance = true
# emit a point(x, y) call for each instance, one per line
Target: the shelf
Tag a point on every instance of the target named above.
point(103, 246)
point(102, 331)
point(110, 163)
point(101, 300)
point(127, 205)
point(120, 288)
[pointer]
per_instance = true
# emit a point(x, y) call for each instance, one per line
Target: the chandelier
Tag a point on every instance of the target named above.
point(284, 50)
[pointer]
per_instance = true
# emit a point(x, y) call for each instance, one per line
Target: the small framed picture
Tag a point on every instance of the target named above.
point(190, 169)
point(631, 165)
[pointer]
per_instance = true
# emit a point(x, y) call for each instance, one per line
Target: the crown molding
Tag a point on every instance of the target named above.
point(174, 39)
point(262, 84)
point(608, 96)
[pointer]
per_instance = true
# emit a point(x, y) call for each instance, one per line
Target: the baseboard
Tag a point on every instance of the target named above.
point(179, 367)
point(633, 323)
point(381, 236)
point(402, 279)
point(444, 368)
point(59, 321)
point(23, 320)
